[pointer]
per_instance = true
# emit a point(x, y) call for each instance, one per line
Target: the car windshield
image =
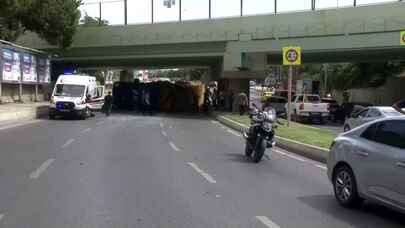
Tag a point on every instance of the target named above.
point(312, 99)
point(391, 112)
point(69, 90)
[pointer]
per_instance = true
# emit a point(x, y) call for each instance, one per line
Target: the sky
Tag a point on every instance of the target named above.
point(140, 11)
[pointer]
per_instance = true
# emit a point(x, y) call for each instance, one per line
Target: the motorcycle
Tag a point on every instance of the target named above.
point(260, 135)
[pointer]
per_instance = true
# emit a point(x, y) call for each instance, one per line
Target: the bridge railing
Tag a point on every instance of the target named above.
point(122, 12)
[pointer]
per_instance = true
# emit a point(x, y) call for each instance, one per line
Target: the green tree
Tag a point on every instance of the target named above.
point(89, 21)
point(53, 20)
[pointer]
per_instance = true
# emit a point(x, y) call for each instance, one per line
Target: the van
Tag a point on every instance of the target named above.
point(76, 94)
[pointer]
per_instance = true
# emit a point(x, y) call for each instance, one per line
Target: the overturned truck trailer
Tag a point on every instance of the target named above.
point(165, 96)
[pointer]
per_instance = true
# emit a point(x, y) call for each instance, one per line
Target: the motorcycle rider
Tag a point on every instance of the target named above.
point(253, 129)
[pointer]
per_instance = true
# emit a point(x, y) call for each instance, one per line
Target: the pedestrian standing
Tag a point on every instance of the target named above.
point(108, 102)
point(146, 104)
point(243, 102)
point(231, 99)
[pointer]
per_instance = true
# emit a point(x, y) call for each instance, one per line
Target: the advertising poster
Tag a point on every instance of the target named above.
point(44, 74)
point(7, 65)
point(29, 68)
point(16, 68)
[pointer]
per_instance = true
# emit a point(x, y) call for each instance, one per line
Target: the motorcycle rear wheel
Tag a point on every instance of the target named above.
point(259, 152)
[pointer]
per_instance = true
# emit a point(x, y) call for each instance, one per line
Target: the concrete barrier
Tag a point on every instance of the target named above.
point(306, 150)
point(23, 112)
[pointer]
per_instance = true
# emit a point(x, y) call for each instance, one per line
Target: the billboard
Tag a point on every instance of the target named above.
point(44, 75)
point(29, 68)
point(11, 65)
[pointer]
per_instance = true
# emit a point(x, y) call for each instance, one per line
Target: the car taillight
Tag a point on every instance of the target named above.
point(301, 106)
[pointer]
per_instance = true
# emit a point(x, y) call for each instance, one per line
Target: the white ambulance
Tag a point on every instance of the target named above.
point(76, 95)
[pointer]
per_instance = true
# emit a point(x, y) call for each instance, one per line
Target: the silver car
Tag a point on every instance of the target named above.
point(369, 114)
point(368, 162)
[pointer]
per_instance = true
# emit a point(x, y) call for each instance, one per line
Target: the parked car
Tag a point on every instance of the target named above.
point(309, 107)
point(278, 104)
point(369, 114)
point(369, 163)
point(400, 106)
point(333, 108)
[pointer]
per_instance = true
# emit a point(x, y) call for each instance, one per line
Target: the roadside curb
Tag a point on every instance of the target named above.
point(306, 150)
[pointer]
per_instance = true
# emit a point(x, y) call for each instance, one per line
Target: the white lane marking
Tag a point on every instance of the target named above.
point(214, 122)
point(202, 173)
point(170, 126)
point(321, 166)
point(100, 123)
point(234, 133)
point(67, 143)
point(86, 130)
point(267, 222)
point(280, 152)
point(1, 216)
point(174, 146)
point(162, 125)
point(164, 134)
point(41, 169)
point(290, 155)
point(295, 157)
point(19, 124)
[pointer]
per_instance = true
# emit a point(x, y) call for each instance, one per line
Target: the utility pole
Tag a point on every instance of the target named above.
point(241, 8)
point(180, 10)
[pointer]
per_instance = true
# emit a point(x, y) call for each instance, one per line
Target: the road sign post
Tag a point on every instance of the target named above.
point(291, 57)
point(402, 41)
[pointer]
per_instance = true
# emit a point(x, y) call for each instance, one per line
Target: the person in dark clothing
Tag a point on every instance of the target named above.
point(108, 102)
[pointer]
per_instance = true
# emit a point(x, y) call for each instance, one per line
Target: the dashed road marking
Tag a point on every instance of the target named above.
point(234, 133)
point(267, 222)
point(41, 169)
point(86, 130)
point(214, 122)
point(321, 166)
point(174, 147)
point(164, 133)
point(162, 125)
point(1, 216)
point(202, 173)
point(67, 143)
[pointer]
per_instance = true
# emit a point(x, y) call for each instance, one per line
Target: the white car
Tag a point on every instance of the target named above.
point(369, 114)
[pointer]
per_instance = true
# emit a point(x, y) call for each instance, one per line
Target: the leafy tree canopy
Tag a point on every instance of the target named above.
point(53, 20)
point(89, 21)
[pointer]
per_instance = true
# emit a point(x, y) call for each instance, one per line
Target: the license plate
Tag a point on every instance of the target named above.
point(63, 110)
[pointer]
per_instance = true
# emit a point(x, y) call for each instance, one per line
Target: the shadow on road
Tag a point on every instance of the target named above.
point(241, 158)
point(362, 217)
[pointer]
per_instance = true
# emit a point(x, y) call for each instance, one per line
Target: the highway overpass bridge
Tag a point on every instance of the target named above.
point(362, 33)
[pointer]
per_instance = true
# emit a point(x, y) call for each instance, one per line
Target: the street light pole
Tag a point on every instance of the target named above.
point(180, 10)
point(99, 13)
point(152, 10)
point(125, 12)
point(209, 9)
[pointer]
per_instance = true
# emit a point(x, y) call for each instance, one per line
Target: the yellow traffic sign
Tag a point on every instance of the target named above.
point(292, 55)
point(402, 42)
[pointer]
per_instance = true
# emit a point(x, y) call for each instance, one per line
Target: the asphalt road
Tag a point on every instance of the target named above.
point(130, 171)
